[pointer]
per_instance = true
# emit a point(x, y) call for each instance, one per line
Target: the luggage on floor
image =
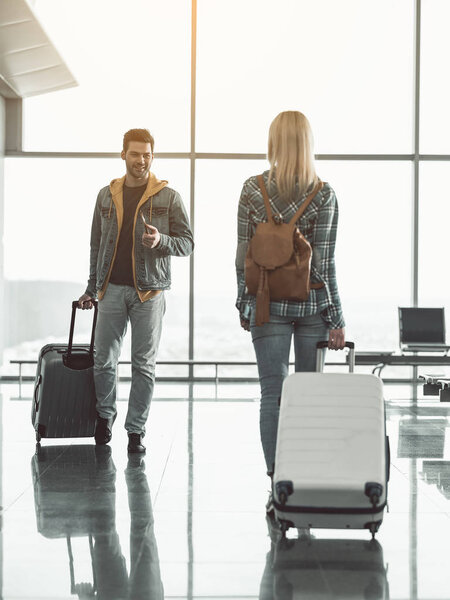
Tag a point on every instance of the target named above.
point(64, 395)
point(325, 569)
point(332, 455)
point(436, 385)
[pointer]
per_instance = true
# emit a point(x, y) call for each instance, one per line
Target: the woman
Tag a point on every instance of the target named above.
point(290, 179)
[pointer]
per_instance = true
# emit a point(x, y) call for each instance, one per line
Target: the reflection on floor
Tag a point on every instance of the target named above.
point(188, 520)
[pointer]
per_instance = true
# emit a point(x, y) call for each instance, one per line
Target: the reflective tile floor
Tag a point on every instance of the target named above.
point(188, 521)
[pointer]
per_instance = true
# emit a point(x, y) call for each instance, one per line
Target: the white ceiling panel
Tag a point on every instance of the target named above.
point(15, 37)
point(45, 80)
point(12, 11)
point(29, 63)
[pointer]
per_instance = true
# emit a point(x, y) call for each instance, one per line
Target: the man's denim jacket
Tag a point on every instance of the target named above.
point(151, 265)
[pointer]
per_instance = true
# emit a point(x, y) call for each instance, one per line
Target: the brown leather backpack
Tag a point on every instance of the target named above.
point(278, 261)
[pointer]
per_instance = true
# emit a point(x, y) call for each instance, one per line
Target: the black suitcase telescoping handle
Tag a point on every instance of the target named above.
point(75, 588)
point(320, 355)
point(75, 305)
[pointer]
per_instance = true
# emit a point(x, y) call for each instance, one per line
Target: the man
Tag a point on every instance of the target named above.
point(138, 224)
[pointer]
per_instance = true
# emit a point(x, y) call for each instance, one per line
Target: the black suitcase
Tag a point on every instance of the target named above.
point(64, 394)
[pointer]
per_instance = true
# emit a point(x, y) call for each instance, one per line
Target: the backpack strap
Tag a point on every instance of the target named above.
point(306, 203)
point(262, 187)
point(300, 211)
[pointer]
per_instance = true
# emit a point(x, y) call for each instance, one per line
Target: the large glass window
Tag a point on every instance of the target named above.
point(373, 248)
point(218, 334)
point(347, 65)
point(253, 60)
point(132, 63)
point(434, 286)
point(435, 78)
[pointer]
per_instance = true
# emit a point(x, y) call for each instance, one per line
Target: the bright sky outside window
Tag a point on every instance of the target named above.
point(435, 79)
point(347, 65)
point(132, 63)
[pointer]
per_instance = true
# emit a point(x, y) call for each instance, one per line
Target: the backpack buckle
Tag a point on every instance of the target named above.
point(277, 218)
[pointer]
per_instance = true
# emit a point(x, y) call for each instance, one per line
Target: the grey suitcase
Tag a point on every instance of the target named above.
point(64, 395)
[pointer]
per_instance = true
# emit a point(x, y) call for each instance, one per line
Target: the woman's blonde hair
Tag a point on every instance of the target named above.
point(291, 153)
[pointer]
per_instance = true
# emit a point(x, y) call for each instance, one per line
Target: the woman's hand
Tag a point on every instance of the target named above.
point(245, 324)
point(336, 339)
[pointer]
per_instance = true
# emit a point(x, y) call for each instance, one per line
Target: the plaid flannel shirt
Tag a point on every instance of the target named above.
point(318, 224)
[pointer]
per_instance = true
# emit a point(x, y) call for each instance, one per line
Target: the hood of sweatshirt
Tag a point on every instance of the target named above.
point(154, 185)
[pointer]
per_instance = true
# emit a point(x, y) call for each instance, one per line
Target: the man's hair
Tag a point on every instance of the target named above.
point(138, 135)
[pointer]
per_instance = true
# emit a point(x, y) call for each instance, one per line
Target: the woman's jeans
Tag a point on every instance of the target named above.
point(119, 305)
point(272, 342)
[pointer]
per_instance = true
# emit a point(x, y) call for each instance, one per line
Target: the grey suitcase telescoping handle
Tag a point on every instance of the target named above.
point(320, 355)
point(72, 327)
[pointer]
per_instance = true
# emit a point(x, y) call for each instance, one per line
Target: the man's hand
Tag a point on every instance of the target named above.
point(336, 339)
point(85, 301)
point(151, 238)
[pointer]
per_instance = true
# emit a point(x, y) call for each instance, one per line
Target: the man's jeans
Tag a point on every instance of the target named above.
point(119, 305)
point(272, 343)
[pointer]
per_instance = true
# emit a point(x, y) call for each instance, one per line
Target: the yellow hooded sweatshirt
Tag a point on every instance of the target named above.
point(154, 185)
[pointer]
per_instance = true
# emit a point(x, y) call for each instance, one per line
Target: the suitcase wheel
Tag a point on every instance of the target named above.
point(373, 491)
point(284, 489)
point(284, 526)
point(38, 436)
point(373, 527)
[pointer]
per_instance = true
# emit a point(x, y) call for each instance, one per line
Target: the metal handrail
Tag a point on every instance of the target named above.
point(187, 363)
point(379, 359)
point(195, 363)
